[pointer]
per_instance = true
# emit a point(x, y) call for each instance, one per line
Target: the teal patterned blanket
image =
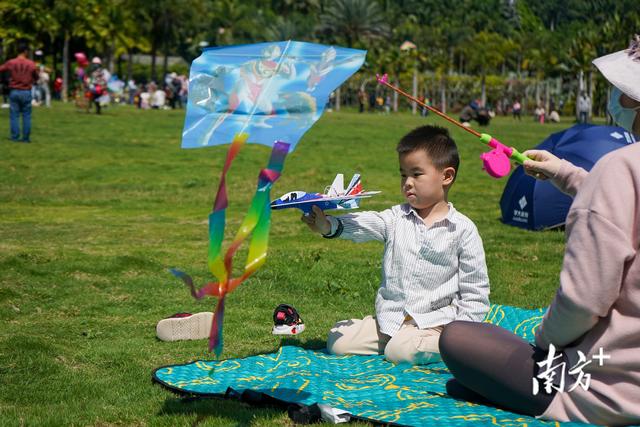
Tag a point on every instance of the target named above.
point(368, 387)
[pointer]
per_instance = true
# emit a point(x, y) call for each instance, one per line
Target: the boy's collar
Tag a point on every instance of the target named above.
point(451, 215)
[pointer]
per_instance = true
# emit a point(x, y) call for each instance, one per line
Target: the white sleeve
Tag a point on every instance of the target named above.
point(473, 304)
point(367, 225)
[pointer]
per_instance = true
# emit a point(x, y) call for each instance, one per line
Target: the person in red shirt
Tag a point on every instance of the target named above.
point(23, 74)
point(57, 88)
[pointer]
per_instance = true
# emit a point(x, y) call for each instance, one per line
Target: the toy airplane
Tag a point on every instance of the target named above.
point(336, 197)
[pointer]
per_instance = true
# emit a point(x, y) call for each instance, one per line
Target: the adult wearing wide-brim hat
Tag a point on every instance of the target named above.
point(585, 364)
point(622, 70)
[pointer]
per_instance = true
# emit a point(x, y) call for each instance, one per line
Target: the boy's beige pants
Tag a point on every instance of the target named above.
point(363, 336)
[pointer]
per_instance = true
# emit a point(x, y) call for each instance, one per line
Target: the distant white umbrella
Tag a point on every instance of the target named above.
point(407, 45)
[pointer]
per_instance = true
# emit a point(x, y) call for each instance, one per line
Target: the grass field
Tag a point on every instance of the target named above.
point(95, 210)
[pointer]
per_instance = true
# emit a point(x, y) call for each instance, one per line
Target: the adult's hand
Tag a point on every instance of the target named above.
point(543, 165)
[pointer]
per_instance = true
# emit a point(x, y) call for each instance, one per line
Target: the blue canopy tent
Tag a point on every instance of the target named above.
point(537, 205)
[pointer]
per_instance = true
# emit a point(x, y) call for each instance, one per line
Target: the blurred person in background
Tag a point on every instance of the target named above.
point(22, 76)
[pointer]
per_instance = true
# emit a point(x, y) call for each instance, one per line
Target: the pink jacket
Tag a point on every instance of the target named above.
point(598, 302)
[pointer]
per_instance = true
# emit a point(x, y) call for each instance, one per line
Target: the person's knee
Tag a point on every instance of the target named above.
point(339, 339)
point(451, 336)
point(337, 343)
point(416, 350)
point(396, 353)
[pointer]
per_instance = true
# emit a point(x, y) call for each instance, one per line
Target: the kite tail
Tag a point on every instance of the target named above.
point(212, 289)
point(215, 338)
point(256, 223)
point(217, 217)
point(258, 218)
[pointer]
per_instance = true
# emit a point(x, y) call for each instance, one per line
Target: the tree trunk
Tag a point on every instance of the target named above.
point(395, 96)
point(109, 57)
point(129, 65)
point(483, 93)
point(591, 89)
point(338, 94)
point(65, 67)
point(154, 52)
point(54, 60)
point(414, 106)
point(165, 65)
point(546, 97)
point(443, 96)
point(580, 89)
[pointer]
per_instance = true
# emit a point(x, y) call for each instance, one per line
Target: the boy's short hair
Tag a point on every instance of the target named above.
point(436, 142)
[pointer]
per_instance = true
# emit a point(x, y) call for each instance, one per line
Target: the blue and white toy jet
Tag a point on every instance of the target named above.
point(335, 197)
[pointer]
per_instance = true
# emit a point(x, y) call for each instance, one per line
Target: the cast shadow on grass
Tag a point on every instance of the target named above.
point(236, 407)
point(312, 344)
point(315, 344)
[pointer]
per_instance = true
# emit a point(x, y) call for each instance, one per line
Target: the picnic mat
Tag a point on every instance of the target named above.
point(368, 387)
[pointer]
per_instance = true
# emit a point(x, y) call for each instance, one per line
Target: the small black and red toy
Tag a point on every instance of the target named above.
point(286, 321)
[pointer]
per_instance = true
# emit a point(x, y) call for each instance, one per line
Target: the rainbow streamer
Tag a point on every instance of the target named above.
point(257, 222)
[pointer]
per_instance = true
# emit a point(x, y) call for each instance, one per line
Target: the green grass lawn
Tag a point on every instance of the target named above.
point(97, 208)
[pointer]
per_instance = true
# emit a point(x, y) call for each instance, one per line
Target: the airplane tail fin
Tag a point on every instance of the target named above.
point(355, 186)
point(337, 188)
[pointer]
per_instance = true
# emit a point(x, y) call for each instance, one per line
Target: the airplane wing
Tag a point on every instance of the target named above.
point(325, 203)
point(317, 201)
point(306, 205)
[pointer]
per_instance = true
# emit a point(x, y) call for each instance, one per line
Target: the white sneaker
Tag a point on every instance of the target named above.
point(288, 329)
point(286, 321)
point(185, 326)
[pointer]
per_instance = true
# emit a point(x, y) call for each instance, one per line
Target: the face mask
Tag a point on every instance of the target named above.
point(624, 117)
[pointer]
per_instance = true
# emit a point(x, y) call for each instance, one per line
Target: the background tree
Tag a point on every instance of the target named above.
point(538, 47)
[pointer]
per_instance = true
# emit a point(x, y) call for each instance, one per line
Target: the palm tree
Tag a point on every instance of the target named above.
point(352, 22)
point(293, 27)
point(233, 21)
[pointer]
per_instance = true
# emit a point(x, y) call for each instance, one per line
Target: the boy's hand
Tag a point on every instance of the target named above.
point(543, 165)
point(317, 221)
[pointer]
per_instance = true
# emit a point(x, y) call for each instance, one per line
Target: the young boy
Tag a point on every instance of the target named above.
point(433, 267)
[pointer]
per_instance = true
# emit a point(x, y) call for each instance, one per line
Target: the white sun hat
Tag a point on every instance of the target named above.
point(622, 68)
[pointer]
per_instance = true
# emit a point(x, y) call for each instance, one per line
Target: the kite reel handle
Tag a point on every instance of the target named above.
point(496, 162)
